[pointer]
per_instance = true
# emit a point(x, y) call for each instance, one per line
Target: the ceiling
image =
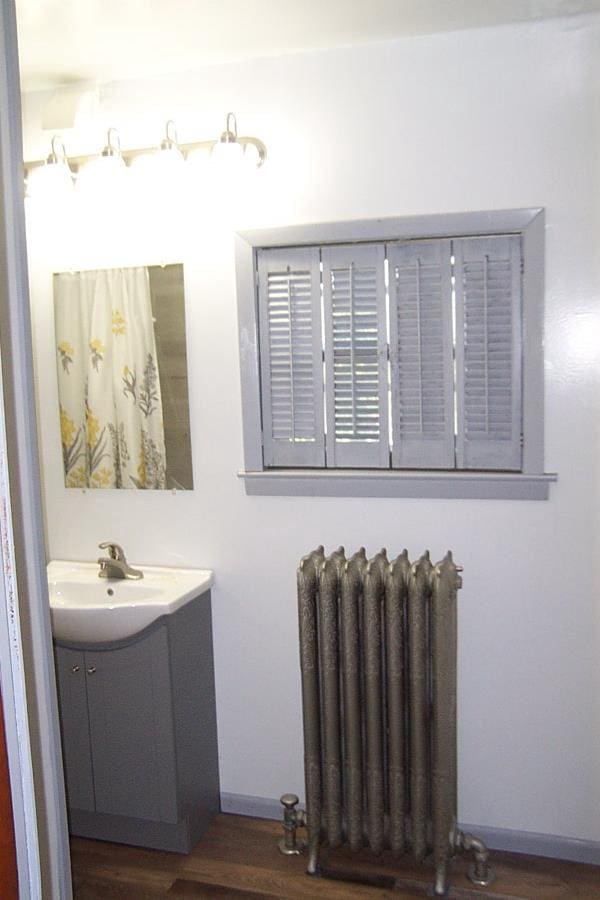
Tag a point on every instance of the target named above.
point(99, 41)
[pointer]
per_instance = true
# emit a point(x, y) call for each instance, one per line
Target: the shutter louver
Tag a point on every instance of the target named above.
point(356, 356)
point(421, 354)
point(488, 352)
point(291, 357)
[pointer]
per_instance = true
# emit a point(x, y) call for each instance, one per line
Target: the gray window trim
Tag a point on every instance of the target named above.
point(531, 484)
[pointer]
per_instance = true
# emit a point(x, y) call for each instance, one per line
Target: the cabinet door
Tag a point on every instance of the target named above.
point(131, 729)
point(73, 707)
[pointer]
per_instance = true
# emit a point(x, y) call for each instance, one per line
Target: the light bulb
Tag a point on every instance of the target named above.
point(228, 154)
point(104, 178)
point(169, 158)
point(162, 170)
point(51, 183)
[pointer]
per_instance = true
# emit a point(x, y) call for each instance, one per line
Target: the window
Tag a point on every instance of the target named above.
point(394, 357)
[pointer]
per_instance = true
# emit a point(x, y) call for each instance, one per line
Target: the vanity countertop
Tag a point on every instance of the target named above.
point(88, 608)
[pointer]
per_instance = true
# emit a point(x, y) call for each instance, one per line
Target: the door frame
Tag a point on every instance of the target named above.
point(27, 678)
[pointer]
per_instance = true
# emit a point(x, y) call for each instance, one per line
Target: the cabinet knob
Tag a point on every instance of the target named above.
point(91, 670)
point(74, 670)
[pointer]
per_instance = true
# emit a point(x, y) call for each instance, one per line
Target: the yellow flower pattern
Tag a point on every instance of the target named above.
point(101, 478)
point(92, 429)
point(97, 350)
point(67, 428)
point(72, 449)
point(118, 322)
point(76, 478)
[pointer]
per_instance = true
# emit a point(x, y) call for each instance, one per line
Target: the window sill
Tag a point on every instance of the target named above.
point(426, 485)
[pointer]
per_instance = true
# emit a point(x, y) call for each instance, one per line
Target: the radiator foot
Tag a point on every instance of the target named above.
point(441, 886)
point(289, 844)
point(313, 867)
point(479, 872)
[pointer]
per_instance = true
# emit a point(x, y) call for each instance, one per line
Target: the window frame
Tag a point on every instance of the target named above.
point(532, 483)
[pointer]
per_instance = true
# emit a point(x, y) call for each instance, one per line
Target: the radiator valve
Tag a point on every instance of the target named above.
point(480, 872)
point(292, 820)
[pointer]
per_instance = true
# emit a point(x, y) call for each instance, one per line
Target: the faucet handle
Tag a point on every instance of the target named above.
point(115, 551)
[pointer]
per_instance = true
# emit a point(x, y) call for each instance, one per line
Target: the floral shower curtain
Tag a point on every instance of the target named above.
point(109, 391)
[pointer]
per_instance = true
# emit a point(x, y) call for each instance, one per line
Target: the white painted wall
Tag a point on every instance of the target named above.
point(487, 119)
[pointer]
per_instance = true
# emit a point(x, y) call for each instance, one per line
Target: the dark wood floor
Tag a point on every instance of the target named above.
point(238, 858)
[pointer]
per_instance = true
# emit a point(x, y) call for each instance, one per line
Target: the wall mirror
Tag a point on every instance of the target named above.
point(122, 378)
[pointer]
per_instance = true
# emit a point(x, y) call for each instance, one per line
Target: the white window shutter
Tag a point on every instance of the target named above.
point(291, 357)
point(488, 352)
point(356, 356)
point(421, 354)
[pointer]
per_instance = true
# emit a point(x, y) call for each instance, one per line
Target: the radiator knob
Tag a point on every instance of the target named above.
point(289, 844)
point(289, 800)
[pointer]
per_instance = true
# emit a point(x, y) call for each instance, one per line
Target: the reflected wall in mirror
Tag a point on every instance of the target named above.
point(122, 378)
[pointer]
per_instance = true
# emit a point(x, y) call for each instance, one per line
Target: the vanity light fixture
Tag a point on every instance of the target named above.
point(100, 173)
point(228, 150)
point(169, 143)
point(232, 146)
point(53, 176)
point(167, 162)
point(229, 146)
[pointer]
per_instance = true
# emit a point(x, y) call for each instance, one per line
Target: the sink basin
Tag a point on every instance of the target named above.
point(88, 609)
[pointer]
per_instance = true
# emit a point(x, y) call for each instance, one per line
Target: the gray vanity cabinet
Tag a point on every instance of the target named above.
point(123, 762)
point(139, 733)
point(77, 758)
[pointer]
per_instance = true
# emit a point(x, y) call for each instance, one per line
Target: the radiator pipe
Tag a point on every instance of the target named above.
point(293, 818)
point(480, 872)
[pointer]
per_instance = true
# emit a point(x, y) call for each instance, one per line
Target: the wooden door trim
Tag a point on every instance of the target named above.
point(8, 854)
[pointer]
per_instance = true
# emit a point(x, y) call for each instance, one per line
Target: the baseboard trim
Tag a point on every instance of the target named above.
point(246, 805)
point(535, 844)
point(529, 842)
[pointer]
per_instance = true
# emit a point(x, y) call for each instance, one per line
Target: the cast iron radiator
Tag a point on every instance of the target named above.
point(378, 660)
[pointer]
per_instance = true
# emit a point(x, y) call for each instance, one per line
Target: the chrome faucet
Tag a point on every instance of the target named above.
point(115, 565)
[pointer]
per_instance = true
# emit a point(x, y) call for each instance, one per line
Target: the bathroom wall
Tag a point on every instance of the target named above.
point(482, 119)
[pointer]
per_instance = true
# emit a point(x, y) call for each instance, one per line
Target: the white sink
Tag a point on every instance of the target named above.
point(89, 609)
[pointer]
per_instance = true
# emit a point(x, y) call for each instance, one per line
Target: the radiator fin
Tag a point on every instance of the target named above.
point(395, 638)
point(351, 588)
point(330, 696)
point(418, 702)
point(373, 589)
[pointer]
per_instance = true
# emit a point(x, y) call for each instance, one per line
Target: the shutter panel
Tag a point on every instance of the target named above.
point(488, 352)
point(291, 357)
point(421, 353)
point(356, 356)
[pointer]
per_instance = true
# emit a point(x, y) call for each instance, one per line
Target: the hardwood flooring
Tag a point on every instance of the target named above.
point(238, 859)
